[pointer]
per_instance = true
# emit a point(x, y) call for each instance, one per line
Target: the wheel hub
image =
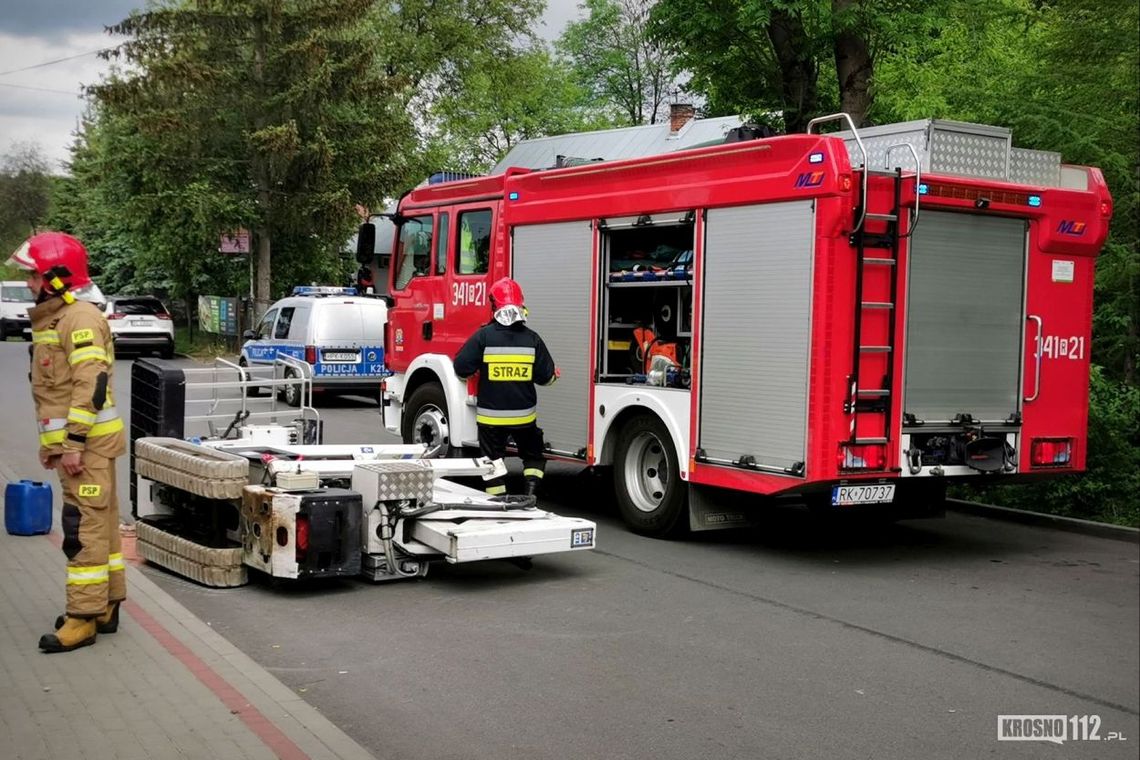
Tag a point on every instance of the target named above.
point(647, 472)
point(430, 428)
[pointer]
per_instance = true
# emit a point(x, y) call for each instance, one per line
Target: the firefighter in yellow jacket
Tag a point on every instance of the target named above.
point(81, 434)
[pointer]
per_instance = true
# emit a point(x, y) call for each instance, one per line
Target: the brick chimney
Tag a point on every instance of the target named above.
point(680, 114)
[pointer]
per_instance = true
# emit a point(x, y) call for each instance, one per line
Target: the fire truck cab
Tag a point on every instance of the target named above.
point(852, 318)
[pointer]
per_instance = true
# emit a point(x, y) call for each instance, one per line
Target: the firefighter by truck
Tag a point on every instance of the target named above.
point(81, 433)
point(509, 359)
point(849, 319)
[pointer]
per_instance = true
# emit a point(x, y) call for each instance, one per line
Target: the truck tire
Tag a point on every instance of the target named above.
point(425, 419)
point(651, 496)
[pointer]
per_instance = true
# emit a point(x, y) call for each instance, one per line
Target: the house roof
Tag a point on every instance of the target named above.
point(610, 144)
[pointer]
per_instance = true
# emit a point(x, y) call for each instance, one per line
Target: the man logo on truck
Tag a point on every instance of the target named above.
point(810, 179)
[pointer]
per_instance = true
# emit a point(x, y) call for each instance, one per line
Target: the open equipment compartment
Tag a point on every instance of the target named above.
point(647, 299)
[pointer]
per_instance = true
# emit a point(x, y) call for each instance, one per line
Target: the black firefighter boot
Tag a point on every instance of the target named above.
point(108, 622)
point(73, 634)
point(531, 486)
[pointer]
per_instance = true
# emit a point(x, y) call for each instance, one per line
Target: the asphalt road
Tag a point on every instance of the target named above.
point(791, 640)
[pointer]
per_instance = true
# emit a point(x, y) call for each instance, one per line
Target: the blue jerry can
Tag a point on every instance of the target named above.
point(27, 508)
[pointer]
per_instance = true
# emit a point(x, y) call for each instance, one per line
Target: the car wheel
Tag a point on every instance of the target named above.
point(252, 391)
point(651, 496)
point(167, 352)
point(291, 392)
point(425, 419)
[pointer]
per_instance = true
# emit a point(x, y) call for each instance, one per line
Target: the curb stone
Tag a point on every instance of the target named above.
point(1040, 519)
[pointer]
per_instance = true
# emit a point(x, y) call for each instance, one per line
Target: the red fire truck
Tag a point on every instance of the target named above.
point(852, 318)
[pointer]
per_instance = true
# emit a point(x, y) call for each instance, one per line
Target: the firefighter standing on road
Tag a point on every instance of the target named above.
point(81, 434)
point(510, 358)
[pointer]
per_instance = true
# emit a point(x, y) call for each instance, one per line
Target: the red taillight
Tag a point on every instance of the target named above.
point(163, 315)
point(116, 316)
point(1106, 208)
point(868, 456)
point(1051, 452)
point(302, 537)
point(311, 354)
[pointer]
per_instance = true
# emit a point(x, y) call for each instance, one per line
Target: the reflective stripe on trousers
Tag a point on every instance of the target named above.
point(486, 416)
point(87, 576)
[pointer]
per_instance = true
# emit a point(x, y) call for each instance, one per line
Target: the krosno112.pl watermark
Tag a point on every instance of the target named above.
point(1054, 728)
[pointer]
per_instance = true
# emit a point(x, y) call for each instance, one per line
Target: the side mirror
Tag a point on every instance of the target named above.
point(366, 242)
point(248, 335)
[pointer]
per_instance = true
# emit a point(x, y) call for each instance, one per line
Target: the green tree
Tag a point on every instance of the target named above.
point(502, 100)
point(766, 58)
point(438, 49)
point(25, 194)
point(616, 60)
point(271, 115)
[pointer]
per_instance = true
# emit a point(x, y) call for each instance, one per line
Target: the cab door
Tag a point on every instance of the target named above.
point(468, 277)
point(417, 288)
point(260, 349)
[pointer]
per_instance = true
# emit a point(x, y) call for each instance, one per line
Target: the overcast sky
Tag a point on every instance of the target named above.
point(41, 105)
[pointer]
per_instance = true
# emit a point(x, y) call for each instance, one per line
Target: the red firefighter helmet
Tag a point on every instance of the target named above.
point(506, 292)
point(58, 257)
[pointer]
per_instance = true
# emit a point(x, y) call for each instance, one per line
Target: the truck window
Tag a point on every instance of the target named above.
point(474, 242)
point(413, 252)
point(441, 245)
point(266, 324)
point(282, 330)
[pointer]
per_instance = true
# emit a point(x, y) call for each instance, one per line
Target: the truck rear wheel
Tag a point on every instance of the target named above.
point(647, 481)
point(425, 419)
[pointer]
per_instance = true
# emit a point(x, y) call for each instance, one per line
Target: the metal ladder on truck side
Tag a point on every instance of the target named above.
point(879, 314)
point(872, 358)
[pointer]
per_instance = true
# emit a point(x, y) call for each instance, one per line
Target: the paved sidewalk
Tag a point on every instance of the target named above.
point(166, 685)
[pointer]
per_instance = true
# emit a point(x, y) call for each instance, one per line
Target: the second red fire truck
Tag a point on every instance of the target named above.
point(852, 318)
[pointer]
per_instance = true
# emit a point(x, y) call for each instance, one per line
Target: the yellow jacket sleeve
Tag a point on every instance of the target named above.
point(86, 341)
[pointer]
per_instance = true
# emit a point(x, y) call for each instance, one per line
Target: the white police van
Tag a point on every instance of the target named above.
point(338, 333)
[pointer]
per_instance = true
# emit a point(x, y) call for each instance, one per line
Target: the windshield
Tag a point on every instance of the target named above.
point(349, 322)
point(17, 294)
point(139, 306)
